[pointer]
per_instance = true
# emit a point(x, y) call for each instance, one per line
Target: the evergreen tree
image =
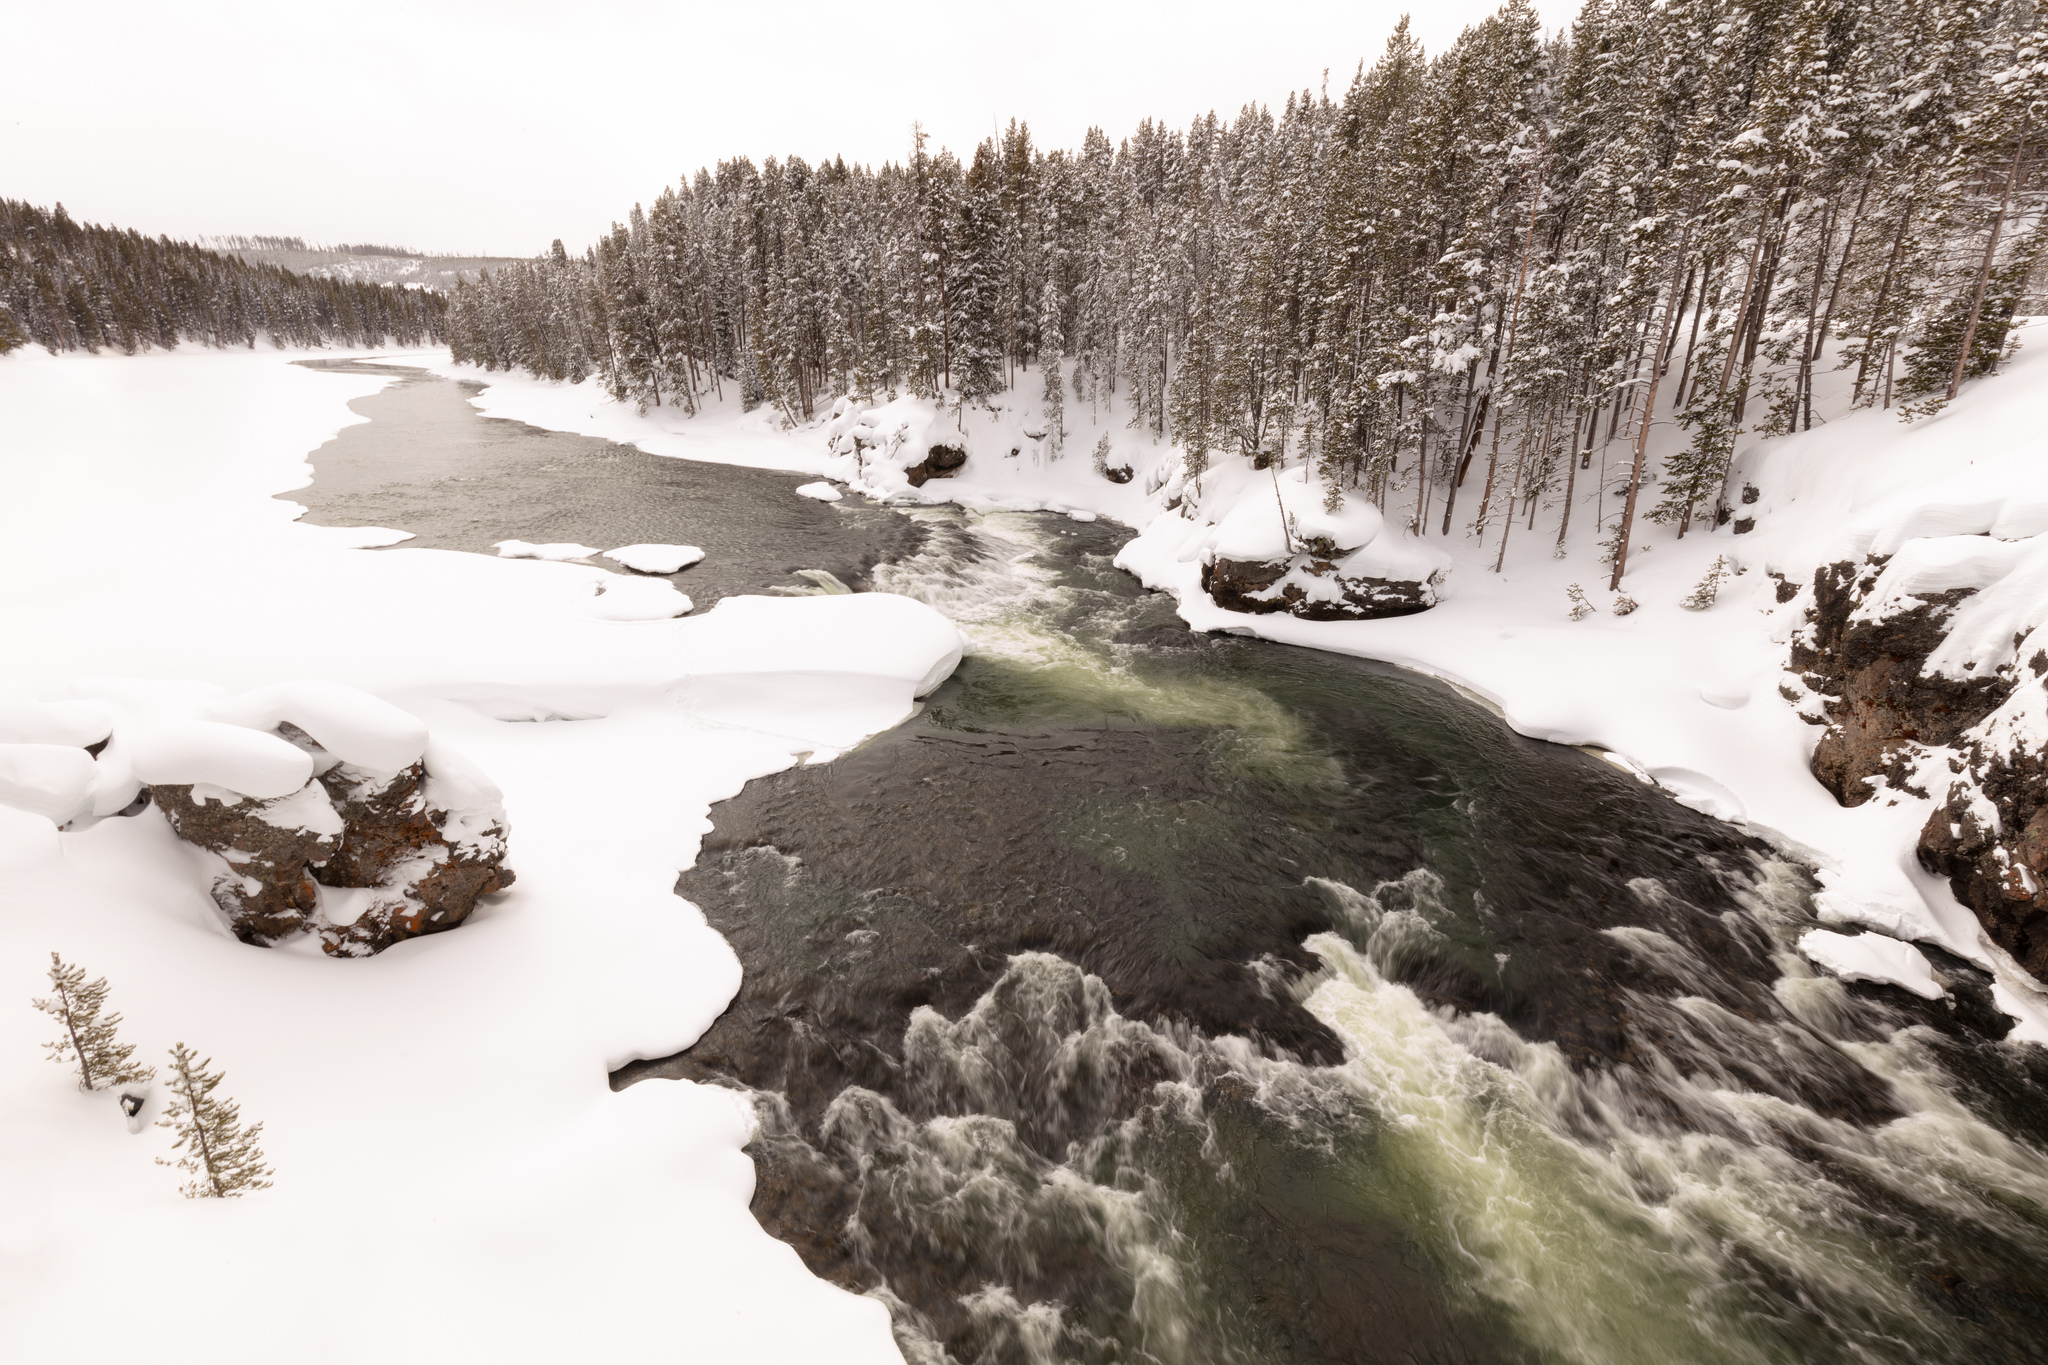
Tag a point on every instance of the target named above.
point(90, 1040)
point(219, 1154)
point(1052, 359)
point(974, 289)
point(1709, 587)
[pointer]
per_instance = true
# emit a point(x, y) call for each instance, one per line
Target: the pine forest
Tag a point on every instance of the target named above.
point(70, 287)
point(1441, 287)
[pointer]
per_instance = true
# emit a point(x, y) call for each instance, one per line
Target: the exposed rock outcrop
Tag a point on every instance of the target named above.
point(1867, 662)
point(1944, 687)
point(1313, 588)
point(1990, 839)
point(940, 462)
point(359, 859)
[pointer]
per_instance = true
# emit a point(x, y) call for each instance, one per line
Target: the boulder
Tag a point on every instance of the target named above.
point(941, 461)
point(1312, 588)
point(266, 889)
point(1287, 545)
point(357, 858)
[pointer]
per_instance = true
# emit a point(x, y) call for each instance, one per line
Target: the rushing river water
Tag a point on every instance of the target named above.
point(1163, 997)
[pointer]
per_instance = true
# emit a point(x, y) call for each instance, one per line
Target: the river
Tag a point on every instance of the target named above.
point(1154, 996)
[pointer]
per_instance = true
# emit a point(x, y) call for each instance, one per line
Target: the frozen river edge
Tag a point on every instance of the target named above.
point(439, 1115)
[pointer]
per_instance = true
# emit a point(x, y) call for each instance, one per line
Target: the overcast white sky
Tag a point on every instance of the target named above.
point(493, 127)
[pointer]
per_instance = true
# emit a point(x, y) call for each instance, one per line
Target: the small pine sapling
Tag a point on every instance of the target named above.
point(1581, 608)
point(220, 1155)
point(1709, 587)
point(1624, 604)
point(90, 1039)
point(1102, 455)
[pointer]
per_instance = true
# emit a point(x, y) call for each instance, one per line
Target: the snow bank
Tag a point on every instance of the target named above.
point(49, 780)
point(751, 660)
point(655, 558)
point(1873, 957)
point(445, 1102)
point(246, 761)
point(1253, 528)
point(346, 721)
point(24, 719)
point(639, 599)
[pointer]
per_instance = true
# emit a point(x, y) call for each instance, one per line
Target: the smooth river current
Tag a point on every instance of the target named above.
point(1153, 996)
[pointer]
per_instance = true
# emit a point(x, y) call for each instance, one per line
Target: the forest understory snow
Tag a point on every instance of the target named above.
point(454, 1177)
point(1702, 702)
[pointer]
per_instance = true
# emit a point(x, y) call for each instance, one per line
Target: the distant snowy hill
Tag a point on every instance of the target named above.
point(361, 263)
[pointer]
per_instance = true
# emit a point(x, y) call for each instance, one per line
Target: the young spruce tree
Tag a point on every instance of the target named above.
point(89, 1040)
point(220, 1155)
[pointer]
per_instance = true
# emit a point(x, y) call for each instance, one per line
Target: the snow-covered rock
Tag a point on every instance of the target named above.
point(356, 858)
point(1281, 547)
point(1930, 675)
point(822, 491)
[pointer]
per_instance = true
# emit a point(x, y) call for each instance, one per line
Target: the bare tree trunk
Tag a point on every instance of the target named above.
point(1741, 322)
point(1635, 478)
point(1955, 380)
point(1884, 290)
point(1772, 259)
point(1803, 390)
point(1508, 521)
point(1827, 318)
point(1698, 311)
point(1421, 522)
point(1571, 477)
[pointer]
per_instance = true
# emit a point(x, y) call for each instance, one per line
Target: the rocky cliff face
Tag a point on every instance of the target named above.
point(1884, 711)
point(358, 859)
point(1964, 730)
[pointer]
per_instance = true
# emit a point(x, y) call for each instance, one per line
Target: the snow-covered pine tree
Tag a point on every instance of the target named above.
point(974, 291)
point(1624, 604)
point(1051, 342)
point(1581, 608)
point(221, 1156)
point(1709, 587)
point(90, 1040)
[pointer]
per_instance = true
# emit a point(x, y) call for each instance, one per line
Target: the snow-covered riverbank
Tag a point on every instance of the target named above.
point(1689, 699)
point(456, 1180)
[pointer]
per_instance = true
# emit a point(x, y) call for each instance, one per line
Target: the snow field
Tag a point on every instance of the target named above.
point(1686, 699)
point(452, 1166)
